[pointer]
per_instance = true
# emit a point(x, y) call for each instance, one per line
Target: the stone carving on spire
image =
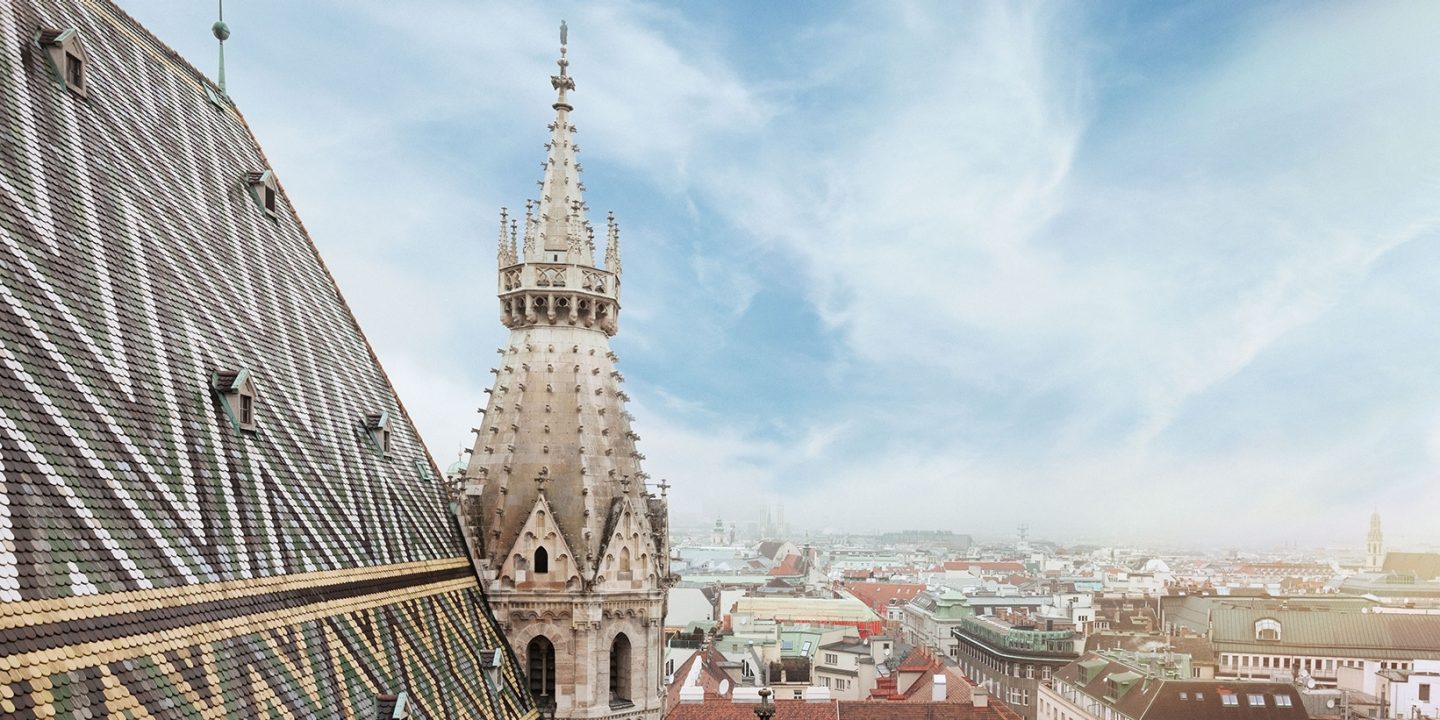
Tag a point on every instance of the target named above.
point(532, 226)
point(612, 247)
point(502, 248)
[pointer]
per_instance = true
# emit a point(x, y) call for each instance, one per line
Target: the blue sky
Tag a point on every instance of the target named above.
point(1124, 271)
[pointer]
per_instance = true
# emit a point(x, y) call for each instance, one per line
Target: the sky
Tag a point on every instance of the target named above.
point(1126, 272)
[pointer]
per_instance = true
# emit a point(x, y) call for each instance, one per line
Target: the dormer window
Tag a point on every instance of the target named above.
point(236, 391)
point(66, 57)
point(263, 190)
point(377, 432)
point(1267, 629)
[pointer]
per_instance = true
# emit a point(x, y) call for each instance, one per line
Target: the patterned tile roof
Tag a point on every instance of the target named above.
point(155, 558)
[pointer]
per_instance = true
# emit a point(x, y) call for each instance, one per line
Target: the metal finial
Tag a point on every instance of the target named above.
point(564, 35)
point(222, 33)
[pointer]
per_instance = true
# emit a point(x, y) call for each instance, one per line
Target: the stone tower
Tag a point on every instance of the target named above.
point(1374, 545)
point(573, 547)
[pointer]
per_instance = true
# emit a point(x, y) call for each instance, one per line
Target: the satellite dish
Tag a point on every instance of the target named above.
point(725, 688)
point(1330, 703)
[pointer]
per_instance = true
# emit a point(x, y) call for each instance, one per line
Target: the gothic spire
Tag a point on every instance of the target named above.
point(502, 248)
point(612, 246)
point(562, 209)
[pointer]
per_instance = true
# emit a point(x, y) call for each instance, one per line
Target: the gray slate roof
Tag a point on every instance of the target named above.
point(291, 569)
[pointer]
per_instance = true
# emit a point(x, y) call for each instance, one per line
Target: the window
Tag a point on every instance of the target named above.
point(540, 657)
point(1255, 700)
point(264, 191)
point(620, 670)
point(1267, 629)
point(66, 58)
point(832, 659)
point(378, 429)
point(74, 70)
point(542, 561)
point(1229, 699)
point(1282, 701)
point(236, 391)
point(1199, 697)
point(1424, 692)
point(1184, 696)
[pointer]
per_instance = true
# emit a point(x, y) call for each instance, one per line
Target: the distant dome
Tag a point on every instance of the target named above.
point(457, 467)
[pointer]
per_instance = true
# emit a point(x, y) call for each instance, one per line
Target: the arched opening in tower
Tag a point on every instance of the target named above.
point(620, 670)
point(540, 654)
point(542, 561)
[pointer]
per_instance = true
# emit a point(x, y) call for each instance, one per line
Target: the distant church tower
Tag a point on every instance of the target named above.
point(573, 547)
point(1374, 545)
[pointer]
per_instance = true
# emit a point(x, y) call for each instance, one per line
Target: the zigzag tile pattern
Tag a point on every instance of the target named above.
point(155, 561)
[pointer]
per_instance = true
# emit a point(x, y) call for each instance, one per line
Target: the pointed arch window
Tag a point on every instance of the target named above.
point(542, 561)
point(620, 671)
point(540, 659)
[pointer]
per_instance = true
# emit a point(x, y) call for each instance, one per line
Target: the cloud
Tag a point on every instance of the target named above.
point(1124, 274)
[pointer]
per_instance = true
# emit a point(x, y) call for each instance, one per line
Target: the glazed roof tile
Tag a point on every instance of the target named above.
point(153, 560)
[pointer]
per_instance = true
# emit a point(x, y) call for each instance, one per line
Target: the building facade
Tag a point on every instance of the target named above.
point(929, 620)
point(1011, 660)
point(1318, 639)
point(573, 545)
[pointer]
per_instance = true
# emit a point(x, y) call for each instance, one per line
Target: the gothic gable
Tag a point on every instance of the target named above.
point(540, 558)
point(628, 555)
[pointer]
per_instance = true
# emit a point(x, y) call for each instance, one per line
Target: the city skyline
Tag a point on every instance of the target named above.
point(1158, 269)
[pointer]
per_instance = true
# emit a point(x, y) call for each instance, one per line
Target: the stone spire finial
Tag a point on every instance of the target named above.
point(612, 246)
point(563, 81)
point(531, 228)
point(514, 256)
point(502, 249)
point(561, 210)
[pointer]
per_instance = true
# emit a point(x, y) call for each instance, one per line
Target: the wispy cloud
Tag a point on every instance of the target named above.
point(1120, 271)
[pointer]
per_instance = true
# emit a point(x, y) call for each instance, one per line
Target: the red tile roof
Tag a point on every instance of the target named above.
point(878, 595)
point(787, 567)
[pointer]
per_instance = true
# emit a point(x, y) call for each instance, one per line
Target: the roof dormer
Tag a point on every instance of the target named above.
point(65, 54)
point(236, 391)
point(264, 191)
point(377, 432)
point(1267, 630)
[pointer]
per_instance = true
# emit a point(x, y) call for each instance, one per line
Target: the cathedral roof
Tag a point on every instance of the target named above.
point(211, 500)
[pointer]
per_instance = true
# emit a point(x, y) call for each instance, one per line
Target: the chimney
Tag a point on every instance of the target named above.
point(938, 688)
point(980, 697)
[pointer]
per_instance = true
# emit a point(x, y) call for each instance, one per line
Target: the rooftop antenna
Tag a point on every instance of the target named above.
point(222, 33)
